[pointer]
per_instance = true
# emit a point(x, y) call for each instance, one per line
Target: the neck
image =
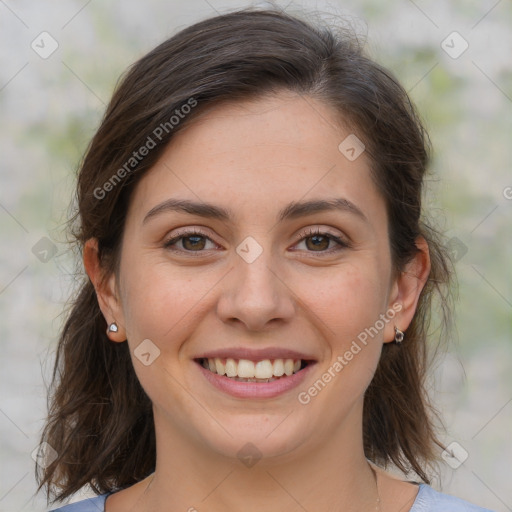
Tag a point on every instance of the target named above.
point(321, 477)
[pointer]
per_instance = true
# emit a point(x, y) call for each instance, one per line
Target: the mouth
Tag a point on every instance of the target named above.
point(245, 370)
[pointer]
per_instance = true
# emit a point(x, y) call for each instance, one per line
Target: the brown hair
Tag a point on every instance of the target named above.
point(100, 419)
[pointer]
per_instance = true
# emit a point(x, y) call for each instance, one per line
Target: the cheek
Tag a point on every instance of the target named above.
point(347, 299)
point(349, 305)
point(350, 302)
point(161, 300)
point(161, 304)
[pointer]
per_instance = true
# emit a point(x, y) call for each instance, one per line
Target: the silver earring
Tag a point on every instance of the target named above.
point(112, 328)
point(399, 335)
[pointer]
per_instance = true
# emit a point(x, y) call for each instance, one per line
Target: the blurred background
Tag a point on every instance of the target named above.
point(59, 64)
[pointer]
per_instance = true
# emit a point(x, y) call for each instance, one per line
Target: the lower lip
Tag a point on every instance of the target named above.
point(240, 389)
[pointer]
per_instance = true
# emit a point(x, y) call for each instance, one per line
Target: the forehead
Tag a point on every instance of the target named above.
point(259, 153)
point(283, 125)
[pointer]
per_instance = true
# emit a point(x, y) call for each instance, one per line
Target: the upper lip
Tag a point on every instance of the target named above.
point(255, 354)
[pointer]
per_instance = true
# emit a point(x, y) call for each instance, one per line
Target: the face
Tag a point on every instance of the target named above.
point(287, 269)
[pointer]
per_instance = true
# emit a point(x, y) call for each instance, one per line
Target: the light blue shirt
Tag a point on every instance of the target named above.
point(427, 500)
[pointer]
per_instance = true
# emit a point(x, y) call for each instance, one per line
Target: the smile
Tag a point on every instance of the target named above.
point(256, 379)
point(245, 370)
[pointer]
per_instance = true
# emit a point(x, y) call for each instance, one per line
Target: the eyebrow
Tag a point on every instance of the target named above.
point(293, 210)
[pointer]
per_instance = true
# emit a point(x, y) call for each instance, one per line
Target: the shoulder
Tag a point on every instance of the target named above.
point(96, 504)
point(429, 500)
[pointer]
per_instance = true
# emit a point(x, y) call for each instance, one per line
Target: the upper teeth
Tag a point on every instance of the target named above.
point(247, 369)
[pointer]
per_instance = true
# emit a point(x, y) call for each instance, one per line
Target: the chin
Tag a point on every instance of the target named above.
point(256, 436)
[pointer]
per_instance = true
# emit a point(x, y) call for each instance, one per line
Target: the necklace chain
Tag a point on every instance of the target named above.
point(377, 504)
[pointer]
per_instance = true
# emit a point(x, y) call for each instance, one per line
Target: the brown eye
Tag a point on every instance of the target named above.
point(191, 242)
point(318, 242)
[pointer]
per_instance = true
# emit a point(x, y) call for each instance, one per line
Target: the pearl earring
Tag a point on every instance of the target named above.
point(112, 328)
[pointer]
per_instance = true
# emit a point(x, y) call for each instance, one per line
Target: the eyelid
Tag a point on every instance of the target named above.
point(340, 240)
point(190, 231)
point(187, 232)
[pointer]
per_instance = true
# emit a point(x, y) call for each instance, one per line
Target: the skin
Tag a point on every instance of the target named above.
point(255, 157)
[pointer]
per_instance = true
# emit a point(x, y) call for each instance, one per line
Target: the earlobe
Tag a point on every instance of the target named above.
point(114, 334)
point(105, 287)
point(406, 291)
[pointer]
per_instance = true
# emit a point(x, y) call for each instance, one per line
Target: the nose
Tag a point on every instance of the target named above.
point(255, 295)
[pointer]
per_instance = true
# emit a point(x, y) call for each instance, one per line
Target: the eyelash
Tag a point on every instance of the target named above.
point(342, 244)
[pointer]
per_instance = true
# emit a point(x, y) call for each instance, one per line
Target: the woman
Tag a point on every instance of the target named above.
point(252, 333)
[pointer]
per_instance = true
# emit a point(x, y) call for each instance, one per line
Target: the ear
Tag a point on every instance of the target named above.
point(406, 290)
point(106, 290)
